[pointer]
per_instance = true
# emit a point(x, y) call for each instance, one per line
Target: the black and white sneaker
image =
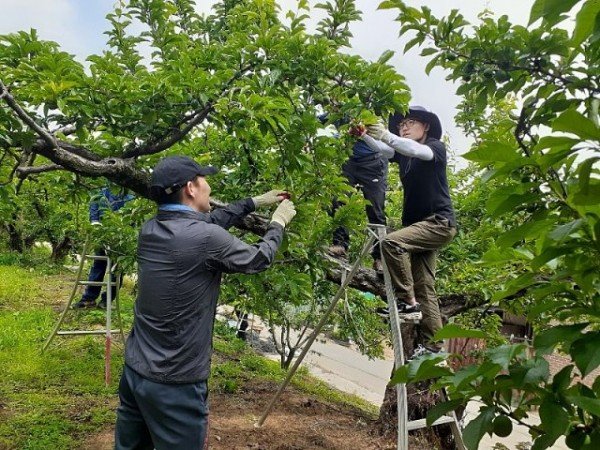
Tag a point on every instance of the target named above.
point(383, 311)
point(405, 311)
point(409, 312)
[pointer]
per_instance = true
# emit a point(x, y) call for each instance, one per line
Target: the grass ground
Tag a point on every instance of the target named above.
point(57, 399)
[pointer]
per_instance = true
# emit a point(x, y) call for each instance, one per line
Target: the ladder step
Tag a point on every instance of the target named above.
point(96, 283)
point(422, 423)
point(410, 321)
point(98, 257)
point(74, 332)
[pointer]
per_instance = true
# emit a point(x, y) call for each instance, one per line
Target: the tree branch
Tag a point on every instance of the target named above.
point(9, 99)
point(24, 171)
point(166, 141)
point(172, 137)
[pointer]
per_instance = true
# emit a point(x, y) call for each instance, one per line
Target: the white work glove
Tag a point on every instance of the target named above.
point(270, 198)
point(284, 213)
point(379, 132)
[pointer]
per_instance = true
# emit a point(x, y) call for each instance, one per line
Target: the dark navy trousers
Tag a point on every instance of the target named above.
point(161, 416)
point(369, 174)
point(97, 272)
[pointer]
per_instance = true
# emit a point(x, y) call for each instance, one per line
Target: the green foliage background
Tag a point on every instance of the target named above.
point(241, 88)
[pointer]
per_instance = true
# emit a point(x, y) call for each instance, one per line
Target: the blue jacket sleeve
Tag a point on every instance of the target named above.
point(95, 207)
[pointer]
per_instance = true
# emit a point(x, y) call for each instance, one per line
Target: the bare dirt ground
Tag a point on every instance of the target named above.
point(299, 422)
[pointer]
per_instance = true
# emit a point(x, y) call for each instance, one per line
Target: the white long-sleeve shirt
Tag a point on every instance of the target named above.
point(404, 146)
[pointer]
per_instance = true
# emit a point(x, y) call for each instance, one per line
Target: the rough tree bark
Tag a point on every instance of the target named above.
point(61, 249)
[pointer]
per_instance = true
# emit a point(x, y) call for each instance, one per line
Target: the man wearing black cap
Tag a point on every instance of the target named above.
point(182, 252)
point(427, 215)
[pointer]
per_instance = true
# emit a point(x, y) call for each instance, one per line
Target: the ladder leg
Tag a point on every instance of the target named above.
point(402, 401)
point(108, 322)
point(118, 305)
point(457, 433)
point(397, 344)
point(317, 330)
point(402, 416)
point(454, 425)
point(71, 297)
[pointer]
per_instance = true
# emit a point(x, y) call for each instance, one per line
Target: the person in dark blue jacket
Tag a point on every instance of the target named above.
point(366, 169)
point(101, 202)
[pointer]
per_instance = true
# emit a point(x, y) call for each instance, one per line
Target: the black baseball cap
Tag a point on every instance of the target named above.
point(173, 172)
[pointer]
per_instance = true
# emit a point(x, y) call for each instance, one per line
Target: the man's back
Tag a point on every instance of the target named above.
point(181, 257)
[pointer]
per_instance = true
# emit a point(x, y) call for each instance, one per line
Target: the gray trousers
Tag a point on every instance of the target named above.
point(410, 254)
point(161, 416)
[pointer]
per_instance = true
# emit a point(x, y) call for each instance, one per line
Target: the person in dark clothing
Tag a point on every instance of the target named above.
point(366, 169)
point(182, 253)
point(428, 217)
point(103, 201)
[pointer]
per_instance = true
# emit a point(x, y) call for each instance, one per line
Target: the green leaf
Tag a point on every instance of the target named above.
point(585, 352)
point(401, 375)
point(524, 231)
point(560, 147)
point(562, 380)
point(414, 41)
point(507, 198)
point(587, 196)
point(537, 371)
point(556, 141)
point(389, 4)
point(573, 122)
point(477, 427)
point(585, 171)
point(456, 331)
point(591, 405)
point(503, 354)
point(552, 9)
point(424, 368)
point(550, 254)
point(498, 205)
point(386, 56)
point(490, 152)
point(585, 21)
point(514, 286)
point(555, 420)
point(442, 408)
point(431, 64)
point(545, 341)
point(499, 255)
point(561, 232)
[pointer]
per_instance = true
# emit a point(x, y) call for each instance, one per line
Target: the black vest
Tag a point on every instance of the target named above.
point(425, 186)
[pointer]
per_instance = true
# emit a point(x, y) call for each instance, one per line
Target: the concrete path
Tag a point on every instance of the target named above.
point(348, 370)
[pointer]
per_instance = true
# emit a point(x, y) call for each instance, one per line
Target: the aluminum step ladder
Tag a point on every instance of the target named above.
point(404, 425)
point(107, 283)
point(375, 234)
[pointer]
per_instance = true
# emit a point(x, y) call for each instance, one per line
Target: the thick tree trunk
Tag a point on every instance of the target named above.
point(15, 240)
point(419, 400)
point(61, 249)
